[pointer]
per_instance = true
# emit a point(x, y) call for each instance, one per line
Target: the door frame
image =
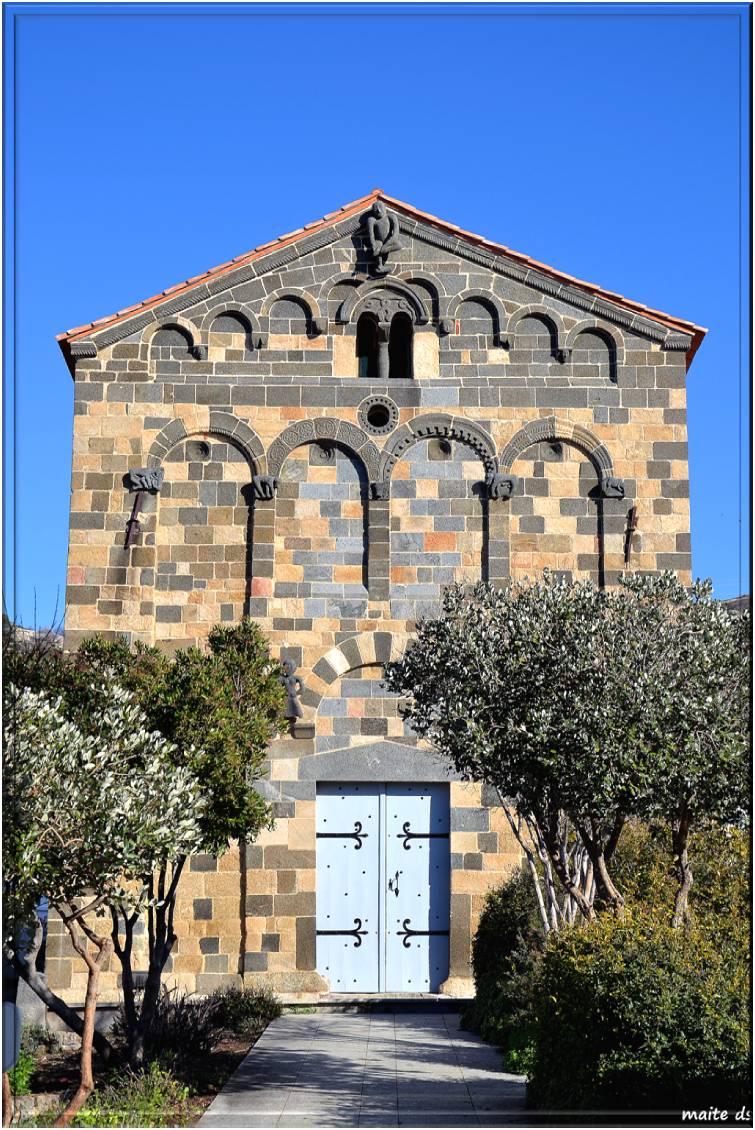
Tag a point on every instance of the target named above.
point(382, 867)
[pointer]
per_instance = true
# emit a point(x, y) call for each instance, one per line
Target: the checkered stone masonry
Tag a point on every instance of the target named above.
point(253, 377)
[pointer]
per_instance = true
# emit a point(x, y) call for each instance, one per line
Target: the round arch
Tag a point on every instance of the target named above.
point(240, 311)
point(176, 321)
point(594, 326)
point(351, 307)
point(438, 424)
point(327, 428)
point(305, 298)
point(487, 298)
point(221, 424)
point(371, 649)
point(551, 429)
point(536, 310)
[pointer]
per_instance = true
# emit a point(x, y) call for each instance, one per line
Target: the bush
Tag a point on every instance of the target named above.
point(20, 1075)
point(186, 1027)
point(35, 1038)
point(505, 954)
point(182, 1027)
point(146, 1098)
point(245, 1011)
point(643, 869)
point(632, 1014)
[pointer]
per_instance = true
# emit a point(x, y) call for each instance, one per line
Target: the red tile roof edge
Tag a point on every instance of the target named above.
point(680, 324)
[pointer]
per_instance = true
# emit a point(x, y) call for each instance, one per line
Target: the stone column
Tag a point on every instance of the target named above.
point(378, 536)
point(383, 360)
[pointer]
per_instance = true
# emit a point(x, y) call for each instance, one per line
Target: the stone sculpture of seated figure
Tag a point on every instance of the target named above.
point(382, 236)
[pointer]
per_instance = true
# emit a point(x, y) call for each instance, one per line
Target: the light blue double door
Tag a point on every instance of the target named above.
point(383, 900)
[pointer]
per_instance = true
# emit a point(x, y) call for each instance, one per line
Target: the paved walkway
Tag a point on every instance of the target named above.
point(369, 1069)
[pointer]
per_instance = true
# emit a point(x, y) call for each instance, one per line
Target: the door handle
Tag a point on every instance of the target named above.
point(391, 882)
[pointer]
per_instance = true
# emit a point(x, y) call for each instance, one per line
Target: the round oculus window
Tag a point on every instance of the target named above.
point(378, 415)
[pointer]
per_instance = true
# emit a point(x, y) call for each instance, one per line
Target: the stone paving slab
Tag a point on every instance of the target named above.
point(403, 1069)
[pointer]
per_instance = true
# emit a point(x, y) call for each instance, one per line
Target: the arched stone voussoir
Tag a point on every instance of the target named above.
point(535, 310)
point(431, 424)
point(351, 307)
point(174, 320)
point(550, 429)
point(242, 312)
point(342, 432)
point(220, 424)
point(487, 297)
point(317, 320)
point(592, 325)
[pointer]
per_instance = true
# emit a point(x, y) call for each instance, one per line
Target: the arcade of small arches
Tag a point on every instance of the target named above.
point(383, 316)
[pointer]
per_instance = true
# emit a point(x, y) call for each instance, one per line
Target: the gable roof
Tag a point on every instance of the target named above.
point(677, 325)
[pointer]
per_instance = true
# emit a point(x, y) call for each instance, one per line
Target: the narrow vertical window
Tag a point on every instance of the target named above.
point(367, 347)
point(400, 346)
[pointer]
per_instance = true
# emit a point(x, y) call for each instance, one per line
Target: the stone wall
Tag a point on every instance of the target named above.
point(255, 375)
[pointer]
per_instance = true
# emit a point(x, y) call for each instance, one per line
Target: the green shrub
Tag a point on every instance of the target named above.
point(643, 870)
point(35, 1038)
point(245, 1011)
point(146, 1098)
point(182, 1027)
point(632, 1014)
point(505, 954)
point(20, 1075)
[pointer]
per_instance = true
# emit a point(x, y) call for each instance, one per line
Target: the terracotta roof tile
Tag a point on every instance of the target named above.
point(681, 325)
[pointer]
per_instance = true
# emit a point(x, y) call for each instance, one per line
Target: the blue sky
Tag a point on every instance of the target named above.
point(151, 143)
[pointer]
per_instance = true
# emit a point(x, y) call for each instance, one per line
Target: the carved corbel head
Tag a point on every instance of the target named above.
point(563, 354)
point(447, 326)
point(611, 487)
point(380, 490)
point(145, 478)
point(200, 352)
point(264, 487)
point(500, 486)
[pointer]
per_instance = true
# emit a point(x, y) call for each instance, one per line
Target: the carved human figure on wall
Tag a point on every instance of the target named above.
point(382, 236)
point(293, 687)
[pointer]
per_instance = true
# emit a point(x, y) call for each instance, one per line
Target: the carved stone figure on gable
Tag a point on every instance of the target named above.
point(382, 236)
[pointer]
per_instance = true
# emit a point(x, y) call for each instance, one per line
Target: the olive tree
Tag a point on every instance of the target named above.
point(581, 709)
point(89, 817)
point(219, 708)
point(693, 669)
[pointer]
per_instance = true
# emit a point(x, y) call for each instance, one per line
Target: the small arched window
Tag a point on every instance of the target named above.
point(367, 347)
point(400, 346)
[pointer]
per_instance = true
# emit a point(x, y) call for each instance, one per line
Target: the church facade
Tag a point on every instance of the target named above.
point(321, 434)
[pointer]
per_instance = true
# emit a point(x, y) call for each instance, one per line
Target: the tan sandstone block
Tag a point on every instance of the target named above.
point(426, 355)
point(345, 363)
point(465, 794)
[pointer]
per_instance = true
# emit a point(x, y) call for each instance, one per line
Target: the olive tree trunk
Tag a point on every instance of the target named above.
point(680, 843)
point(94, 963)
point(25, 966)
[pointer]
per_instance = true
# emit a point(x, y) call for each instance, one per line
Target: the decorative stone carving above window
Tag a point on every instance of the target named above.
point(322, 453)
